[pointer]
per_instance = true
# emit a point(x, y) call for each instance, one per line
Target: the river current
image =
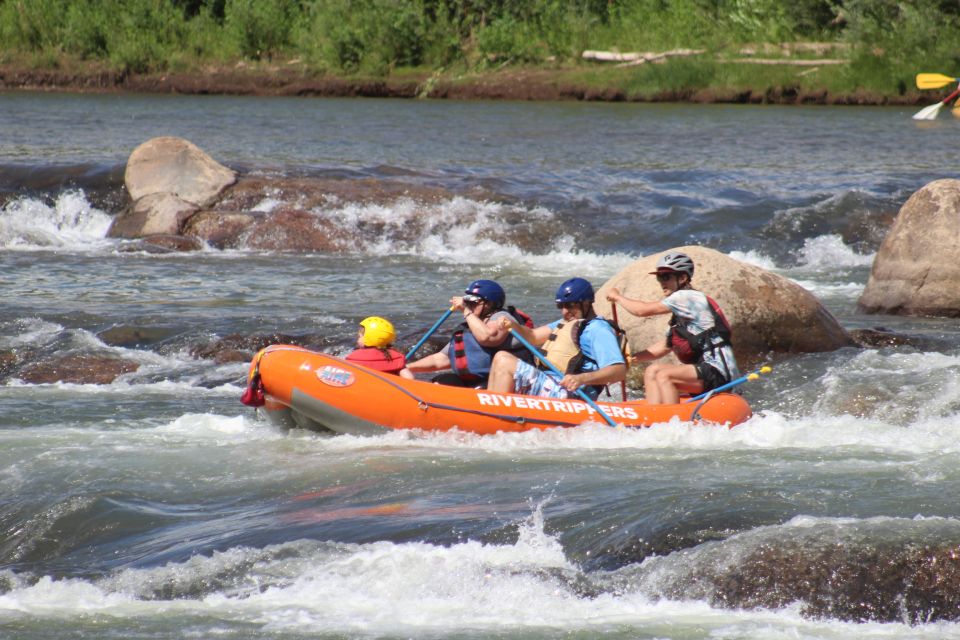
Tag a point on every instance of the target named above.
point(158, 506)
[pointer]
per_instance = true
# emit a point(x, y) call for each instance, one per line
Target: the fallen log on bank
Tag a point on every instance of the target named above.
point(637, 58)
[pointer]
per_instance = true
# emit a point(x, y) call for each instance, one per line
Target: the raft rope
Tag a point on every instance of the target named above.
point(426, 404)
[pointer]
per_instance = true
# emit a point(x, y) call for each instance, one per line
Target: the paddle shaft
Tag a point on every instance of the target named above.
point(429, 333)
point(950, 97)
point(549, 365)
point(623, 383)
point(729, 385)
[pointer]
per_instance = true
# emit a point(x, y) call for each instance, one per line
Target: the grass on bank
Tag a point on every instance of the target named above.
point(885, 41)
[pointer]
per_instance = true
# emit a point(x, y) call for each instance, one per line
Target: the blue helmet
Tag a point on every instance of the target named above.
point(575, 290)
point(488, 290)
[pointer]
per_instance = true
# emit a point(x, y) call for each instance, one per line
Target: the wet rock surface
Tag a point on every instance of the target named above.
point(917, 267)
point(241, 348)
point(77, 369)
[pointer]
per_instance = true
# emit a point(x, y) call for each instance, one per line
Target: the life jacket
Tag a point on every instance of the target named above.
point(386, 360)
point(471, 360)
point(690, 348)
point(562, 346)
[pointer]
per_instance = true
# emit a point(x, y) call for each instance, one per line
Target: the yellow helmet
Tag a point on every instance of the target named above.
point(377, 332)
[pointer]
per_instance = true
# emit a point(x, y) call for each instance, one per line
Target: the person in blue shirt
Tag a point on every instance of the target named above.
point(583, 346)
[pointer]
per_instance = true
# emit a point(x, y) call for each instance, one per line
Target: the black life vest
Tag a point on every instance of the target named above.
point(471, 360)
point(690, 348)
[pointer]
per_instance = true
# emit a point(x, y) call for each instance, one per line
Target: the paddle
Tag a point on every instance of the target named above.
point(536, 352)
point(753, 375)
point(623, 383)
point(429, 333)
point(934, 80)
point(930, 113)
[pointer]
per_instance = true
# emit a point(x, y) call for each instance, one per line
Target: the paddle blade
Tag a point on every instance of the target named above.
point(933, 80)
point(928, 113)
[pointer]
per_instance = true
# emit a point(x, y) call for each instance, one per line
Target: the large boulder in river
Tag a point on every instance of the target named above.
point(918, 265)
point(768, 313)
point(176, 166)
point(168, 179)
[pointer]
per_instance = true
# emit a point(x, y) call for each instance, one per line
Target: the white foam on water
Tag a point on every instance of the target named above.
point(267, 205)
point(755, 258)
point(27, 332)
point(209, 427)
point(71, 223)
point(465, 231)
point(827, 267)
point(839, 290)
point(412, 589)
point(828, 253)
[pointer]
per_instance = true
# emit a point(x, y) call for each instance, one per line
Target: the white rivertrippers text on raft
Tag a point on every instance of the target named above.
point(546, 404)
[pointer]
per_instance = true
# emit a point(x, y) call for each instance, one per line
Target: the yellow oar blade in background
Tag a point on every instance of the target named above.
point(933, 80)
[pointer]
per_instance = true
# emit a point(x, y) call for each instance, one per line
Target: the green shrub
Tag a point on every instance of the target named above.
point(259, 28)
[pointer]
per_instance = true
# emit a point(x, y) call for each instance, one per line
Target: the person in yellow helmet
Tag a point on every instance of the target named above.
point(375, 348)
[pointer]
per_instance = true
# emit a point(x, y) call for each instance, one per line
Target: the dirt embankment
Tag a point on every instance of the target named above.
point(506, 84)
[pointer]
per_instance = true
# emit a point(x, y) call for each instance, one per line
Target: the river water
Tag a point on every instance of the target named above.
point(159, 506)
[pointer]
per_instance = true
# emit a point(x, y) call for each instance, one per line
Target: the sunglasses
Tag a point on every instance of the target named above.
point(567, 305)
point(664, 277)
point(472, 300)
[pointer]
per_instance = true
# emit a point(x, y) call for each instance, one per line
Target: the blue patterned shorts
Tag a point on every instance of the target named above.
point(531, 381)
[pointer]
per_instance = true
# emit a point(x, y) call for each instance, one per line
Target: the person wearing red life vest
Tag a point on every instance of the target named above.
point(475, 342)
point(699, 335)
point(375, 348)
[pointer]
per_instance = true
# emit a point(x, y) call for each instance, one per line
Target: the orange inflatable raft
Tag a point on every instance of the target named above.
point(312, 390)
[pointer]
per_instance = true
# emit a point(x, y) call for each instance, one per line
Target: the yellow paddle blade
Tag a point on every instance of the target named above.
point(765, 369)
point(753, 376)
point(933, 80)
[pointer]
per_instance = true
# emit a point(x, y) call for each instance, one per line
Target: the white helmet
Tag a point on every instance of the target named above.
point(675, 261)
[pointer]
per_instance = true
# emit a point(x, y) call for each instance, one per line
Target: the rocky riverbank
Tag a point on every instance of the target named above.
point(289, 79)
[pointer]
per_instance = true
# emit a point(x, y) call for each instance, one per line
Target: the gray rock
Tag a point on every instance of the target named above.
point(178, 167)
point(153, 214)
point(918, 265)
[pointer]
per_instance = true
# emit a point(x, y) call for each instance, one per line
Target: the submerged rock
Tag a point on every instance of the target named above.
point(913, 583)
point(900, 570)
point(132, 336)
point(768, 313)
point(241, 348)
point(917, 267)
point(220, 229)
point(77, 369)
point(879, 337)
point(179, 191)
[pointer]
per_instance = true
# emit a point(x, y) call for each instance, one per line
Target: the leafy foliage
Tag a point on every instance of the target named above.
point(890, 38)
